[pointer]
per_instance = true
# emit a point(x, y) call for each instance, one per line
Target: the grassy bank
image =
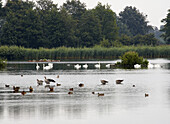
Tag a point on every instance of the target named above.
point(96, 53)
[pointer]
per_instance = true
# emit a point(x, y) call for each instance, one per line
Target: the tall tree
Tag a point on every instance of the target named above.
point(75, 8)
point(166, 28)
point(135, 20)
point(90, 29)
point(108, 21)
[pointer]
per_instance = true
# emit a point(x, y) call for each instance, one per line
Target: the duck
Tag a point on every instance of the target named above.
point(146, 94)
point(7, 85)
point(16, 89)
point(70, 92)
point(100, 94)
point(85, 66)
point(47, 81)
point(81, 85)
point(97, 65)
point(37, 67)
point(39, 82)
point(58, 84)
point(58, 76)
point(51, 89)
point(71, 89)
point(23, 92)
point(31, 89)
point(104, 81)
point(119, 81)
point(77, 66)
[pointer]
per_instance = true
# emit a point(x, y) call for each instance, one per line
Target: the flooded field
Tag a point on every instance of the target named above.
point(123, 103)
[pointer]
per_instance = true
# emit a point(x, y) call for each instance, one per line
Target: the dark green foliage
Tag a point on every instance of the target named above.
point(135, 21)
point(166, 28)
point(129, 59)
point(2, 64)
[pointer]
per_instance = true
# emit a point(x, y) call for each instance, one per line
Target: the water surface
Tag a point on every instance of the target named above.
point(121, 104)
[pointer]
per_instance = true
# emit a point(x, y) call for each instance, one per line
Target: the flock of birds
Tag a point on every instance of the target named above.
point(98, 66)
point(76, 66)
point(48, 81)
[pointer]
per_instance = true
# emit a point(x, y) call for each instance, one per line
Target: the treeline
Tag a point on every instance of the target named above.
point(95, 53)
point(44, 24)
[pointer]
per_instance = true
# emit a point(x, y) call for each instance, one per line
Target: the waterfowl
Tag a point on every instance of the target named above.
point(93, 92)
point(85, 66)
point(46, 67)
point(50, 65)
point(104, 82)
point(39, 82)
point(81, 85)
point(58, 84)
point(70, 92)
point(37, 67)
point(57, 76)
point(146, 94)
point(100, 94)
point(47, 81)
point(133, 85)
point(157, 66)
point(97, 65)
point(7, 85)
point(16, 89)
point(31, 89)
point(119, 81)
point(23, 93)
point(137, 66)
point(77, 66)
point(71, 89)
point(150, 65)
point(22, 75)
point(108, 66)
point(51, 89)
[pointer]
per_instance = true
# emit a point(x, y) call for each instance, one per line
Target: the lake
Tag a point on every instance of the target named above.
point(121, 104)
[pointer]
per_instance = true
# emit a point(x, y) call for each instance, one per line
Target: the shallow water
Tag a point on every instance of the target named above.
point(120, 103)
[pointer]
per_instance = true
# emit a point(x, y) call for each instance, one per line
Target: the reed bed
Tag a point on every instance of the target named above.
point(16, 53)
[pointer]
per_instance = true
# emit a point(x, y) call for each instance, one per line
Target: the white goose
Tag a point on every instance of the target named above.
point(85, 66)
point(77, 66)
point(108, 66)
point(97, 65)
point(46, 67)
point(137, 66)
point(37, 67)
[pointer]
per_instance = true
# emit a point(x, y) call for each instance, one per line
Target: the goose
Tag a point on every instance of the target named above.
point(108, 66)
point(47, 81)
point(51, 89)
point(77, 66)
point(100, 94)
point(58, 76)
point(104, 81)
point(119, 81)
point(85, 66)
point(137, 66)
point(46, 67)
point(93, 92)
point(97, 65)
point(37, 67)
point(39, 82)
point(51, 65)
point(150, 65)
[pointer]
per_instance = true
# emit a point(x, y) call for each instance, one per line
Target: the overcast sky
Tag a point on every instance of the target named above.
point(155, 9)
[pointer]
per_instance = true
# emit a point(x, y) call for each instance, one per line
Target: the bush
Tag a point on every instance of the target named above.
point(2, 63)
point(129, 59)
